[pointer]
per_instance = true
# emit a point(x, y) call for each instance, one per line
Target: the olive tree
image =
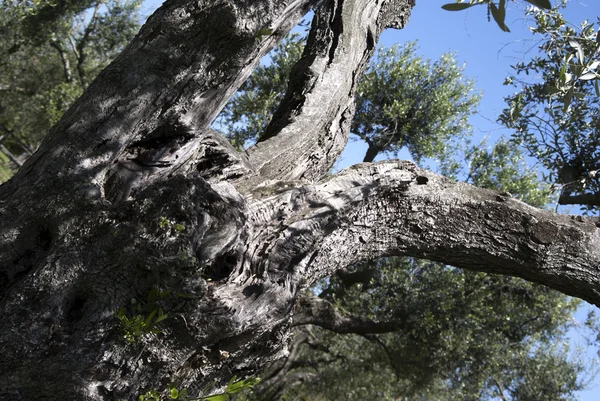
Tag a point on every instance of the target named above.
point(142, 254)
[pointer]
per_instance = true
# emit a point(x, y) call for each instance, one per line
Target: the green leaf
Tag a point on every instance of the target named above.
point(217, 397)
point(161, 316)
point(232, 381)
point(457, 6)
point(541, 3)
point(562, 75)
point(263, 32)
point(174, 393)
point(149, 318)
point(588, 75)
point(568, 99)
point(551, 90)
point(499, 14)
point(597, 87)
point(578, 50)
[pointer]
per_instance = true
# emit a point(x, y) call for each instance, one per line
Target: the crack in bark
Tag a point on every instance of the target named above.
point(337, 28)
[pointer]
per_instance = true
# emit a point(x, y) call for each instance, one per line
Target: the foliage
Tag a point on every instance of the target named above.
point(150, 395)
point(556, 116)
point(500, 167)
point(405, 101)
point(234, 386)
point(464, 336)
point(141, 318)
point(49, 53)
point(497, 11)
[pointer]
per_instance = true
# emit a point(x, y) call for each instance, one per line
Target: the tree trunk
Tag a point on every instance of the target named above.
point(133, 208)
point(372, 152)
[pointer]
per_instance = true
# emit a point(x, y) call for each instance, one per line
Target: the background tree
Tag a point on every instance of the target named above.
point(404, 101)
point(49, 54)
point(140, 252)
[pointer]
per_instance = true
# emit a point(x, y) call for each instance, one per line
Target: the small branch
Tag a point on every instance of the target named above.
point(26, 148)
point(16, 89)
point(500, 388)
point(80, 48)
point(386, 350)
point(12, 157)
point(64, 59)
point(583, 199)
point(73, 46)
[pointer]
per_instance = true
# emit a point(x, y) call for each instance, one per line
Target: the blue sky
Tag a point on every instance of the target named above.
point(488, 54)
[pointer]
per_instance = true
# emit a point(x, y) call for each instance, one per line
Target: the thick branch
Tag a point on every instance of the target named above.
point(583, 199)
point(9, 154)
point(395, 208)
point(163, 91)
point(372, 152)
point(313, 120)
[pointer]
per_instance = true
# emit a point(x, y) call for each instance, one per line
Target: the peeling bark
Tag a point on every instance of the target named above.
point(131, 193)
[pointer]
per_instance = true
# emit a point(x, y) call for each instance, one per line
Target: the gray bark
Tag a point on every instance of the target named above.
point(132, 192)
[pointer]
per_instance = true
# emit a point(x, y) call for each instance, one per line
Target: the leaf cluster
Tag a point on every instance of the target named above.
point(404, 101)
point(140, 319)
point(234, 386)
point(555, 114)
point(497, 11)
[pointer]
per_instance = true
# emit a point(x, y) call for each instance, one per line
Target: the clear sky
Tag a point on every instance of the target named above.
point(488, 54)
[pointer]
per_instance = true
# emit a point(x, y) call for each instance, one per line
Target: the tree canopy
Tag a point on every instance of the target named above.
point(50, 52)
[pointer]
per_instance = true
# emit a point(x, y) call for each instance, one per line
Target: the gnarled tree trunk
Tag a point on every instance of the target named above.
point(131, 194)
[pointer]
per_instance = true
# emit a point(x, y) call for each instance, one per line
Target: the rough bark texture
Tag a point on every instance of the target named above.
point(132, 192)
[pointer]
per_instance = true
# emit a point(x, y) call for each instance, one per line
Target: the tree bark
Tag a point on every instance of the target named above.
point(131, 193)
